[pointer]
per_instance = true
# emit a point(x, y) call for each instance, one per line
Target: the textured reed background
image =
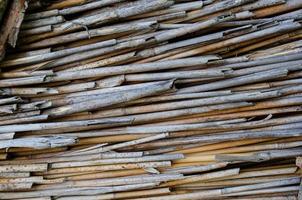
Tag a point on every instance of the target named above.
point(151, 99)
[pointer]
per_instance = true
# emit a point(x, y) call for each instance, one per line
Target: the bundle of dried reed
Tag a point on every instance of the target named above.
point(151, 99)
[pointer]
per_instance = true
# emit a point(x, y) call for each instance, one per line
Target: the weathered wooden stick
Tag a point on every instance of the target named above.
point(118, 160)
point(204, 177)
point(38, 30)
point(38, 143)
point(116, 98)
point(57, 54)
point(87, 6)
point(121, 145)
point(42, 22)
point(77, 191)
point(92, 33)
point(110, 167)
point(119, 195)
